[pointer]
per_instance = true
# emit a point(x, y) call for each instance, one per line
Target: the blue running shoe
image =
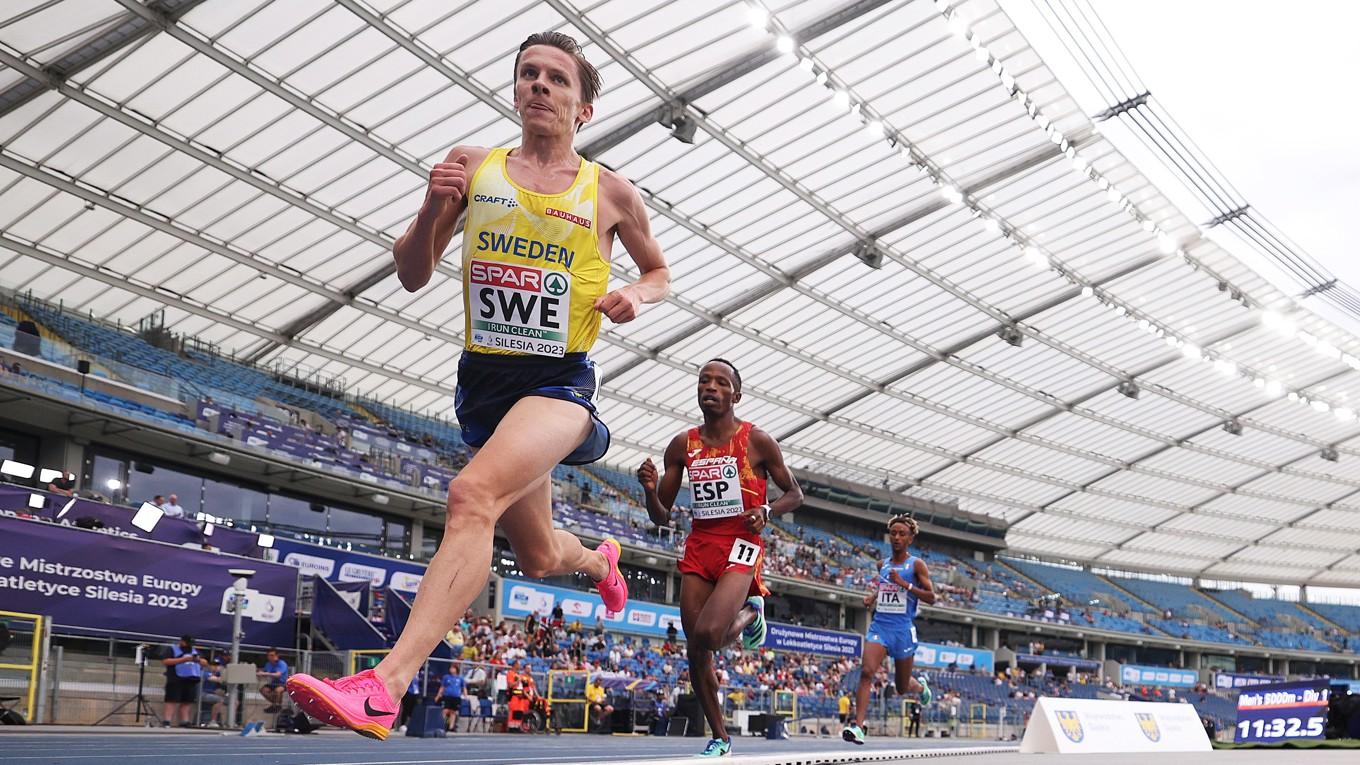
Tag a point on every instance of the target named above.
point(717, 747)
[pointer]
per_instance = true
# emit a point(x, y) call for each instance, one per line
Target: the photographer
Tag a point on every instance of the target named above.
point(183, 671)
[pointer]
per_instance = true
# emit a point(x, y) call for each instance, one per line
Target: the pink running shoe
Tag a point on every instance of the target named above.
point(613, 589)
point(358, 702)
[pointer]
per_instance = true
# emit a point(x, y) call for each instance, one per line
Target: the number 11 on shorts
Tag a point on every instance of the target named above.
point(743, 553)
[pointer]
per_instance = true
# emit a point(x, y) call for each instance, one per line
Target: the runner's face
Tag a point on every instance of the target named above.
point(899, 537)
point(717, 389)
point(548, 91)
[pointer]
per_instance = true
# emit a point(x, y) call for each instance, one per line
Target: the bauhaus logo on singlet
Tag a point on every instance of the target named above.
point(578, 220)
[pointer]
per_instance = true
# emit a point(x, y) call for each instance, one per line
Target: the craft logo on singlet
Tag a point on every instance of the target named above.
point(578, 220)
point(503, 201)
point(520, 308)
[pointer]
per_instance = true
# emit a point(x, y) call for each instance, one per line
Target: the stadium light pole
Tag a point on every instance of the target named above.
point(242, 578)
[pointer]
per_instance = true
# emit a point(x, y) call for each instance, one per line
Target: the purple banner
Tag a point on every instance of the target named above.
point(99, 580)
point(118, 520)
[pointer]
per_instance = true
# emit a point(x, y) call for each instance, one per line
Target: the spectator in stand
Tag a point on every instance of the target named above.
point(158, 500)
point(64, 484)
point(476, 681)
point(598, 701)
point(183, 671)
point(172, 507)
point(272, 677)
point(213, 691)
point(456, 639)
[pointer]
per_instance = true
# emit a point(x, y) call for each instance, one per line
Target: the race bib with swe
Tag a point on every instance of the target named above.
point(519, 308)
point(716, 488)
point(892, 599)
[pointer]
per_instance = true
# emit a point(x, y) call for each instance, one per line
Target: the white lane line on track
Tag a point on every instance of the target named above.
point(804, 757)
point(117, 755)
point(295, 753)
point(667, 756)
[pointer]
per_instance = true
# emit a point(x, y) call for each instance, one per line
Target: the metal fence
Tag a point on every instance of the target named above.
point(117, 681)
point(99, 680)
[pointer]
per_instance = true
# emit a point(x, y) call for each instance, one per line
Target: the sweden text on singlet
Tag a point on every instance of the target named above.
point(523, 247)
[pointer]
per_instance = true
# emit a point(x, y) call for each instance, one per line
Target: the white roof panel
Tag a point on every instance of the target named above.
point(247, 168)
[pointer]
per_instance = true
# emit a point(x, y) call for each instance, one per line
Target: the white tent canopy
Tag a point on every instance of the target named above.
point(928, 263)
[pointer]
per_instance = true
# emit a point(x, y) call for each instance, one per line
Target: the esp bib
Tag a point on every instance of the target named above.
point(716, 488)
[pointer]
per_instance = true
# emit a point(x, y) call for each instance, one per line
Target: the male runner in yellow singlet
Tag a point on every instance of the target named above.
point(539, 233)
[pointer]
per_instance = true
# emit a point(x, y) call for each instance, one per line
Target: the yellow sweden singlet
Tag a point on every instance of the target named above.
point(531, 264)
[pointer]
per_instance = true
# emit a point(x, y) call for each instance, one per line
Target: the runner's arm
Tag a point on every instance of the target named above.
point(418, 251)
point(771, 460)
point(660, 496)
point(635, 232)
point(924, 589)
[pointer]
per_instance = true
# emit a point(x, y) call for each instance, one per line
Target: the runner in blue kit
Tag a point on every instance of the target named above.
point(903, 582)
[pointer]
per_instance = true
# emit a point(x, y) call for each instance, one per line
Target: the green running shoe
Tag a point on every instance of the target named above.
point(753, 636)
point(717, 747)
point(926, 693)
point(854, 734)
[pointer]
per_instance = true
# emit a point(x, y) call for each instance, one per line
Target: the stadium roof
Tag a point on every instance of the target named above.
point(931, 267)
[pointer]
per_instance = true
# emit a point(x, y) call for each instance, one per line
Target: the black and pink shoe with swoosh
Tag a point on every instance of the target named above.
point(358, 702)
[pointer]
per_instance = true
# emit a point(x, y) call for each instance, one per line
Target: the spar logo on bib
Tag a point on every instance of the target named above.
point(714, 488)
point(556, 284)
point(519, 308)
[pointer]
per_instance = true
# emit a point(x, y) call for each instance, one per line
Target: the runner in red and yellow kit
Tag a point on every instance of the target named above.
point(728, 463)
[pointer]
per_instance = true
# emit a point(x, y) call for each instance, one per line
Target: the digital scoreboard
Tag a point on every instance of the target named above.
point(1282, 711)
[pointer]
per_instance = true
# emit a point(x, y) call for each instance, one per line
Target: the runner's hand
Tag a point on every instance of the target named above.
point(868, 600)
point(646, 474)
point(448, 182)
point(755, 519)
point(620, 306)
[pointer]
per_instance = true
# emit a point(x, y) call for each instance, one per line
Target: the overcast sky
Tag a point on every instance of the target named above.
point(1266, 89)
